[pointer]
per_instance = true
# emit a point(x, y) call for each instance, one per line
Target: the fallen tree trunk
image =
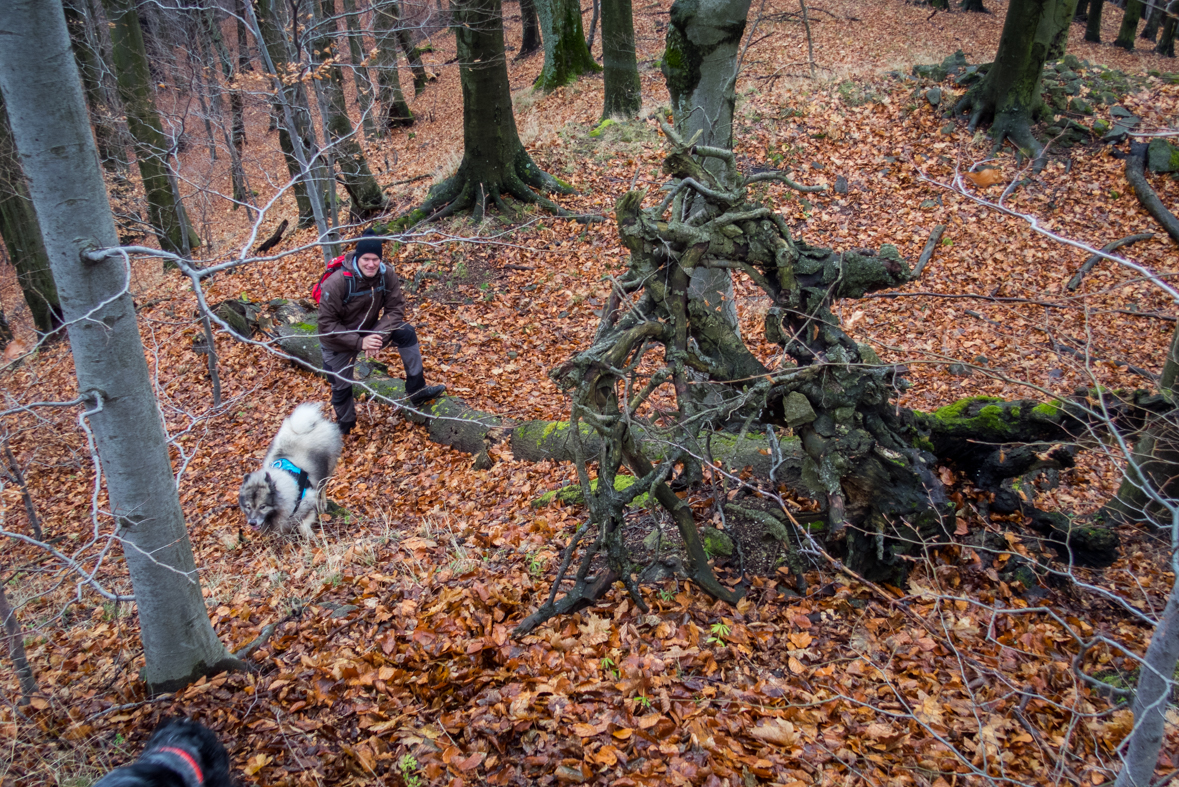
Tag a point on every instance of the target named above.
point(454, 423)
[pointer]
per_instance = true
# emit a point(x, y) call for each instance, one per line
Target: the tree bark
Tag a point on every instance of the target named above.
point(22, 236)
point(16, 649)
point(1166, 44)
point(1009, 95)
point(623, 91)
point(360, 76)
point(235, 136)
point(1154, 17)
point(975, 6)
point(367, 198)
point(494, 160)
point(700, 65)
point(1081, 12)
point(58, 155)
point(530, 40)
point(1129, 28)
point(107, 135)
point(1153, 693)
point(395, 111)
point(413, 55)
point(290, 107)
point(566, 57)
point(165, 211)
point(1093, 21)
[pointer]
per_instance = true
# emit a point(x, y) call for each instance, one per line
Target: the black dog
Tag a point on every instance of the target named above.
point(180, 754)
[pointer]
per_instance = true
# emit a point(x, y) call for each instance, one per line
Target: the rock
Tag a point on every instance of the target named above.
point(651, 542)
point(934, 96)
point(1080, 105)
point(797, 410)
point(1120, 112)
point(948, 129)
point(241, 316)
point(1162, 156)
point(1071, 61)
point(959, 369)
point(840, 184)
point(717, 542)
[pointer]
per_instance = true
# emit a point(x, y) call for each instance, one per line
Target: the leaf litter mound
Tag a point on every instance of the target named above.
point(391, 658)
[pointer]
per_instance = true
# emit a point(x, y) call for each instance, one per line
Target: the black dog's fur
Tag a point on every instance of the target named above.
point(161, 765)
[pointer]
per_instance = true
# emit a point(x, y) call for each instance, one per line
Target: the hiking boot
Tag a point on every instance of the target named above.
point(420, 397)
point(345, 427)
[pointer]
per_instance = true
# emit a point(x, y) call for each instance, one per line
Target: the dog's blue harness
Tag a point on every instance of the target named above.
point(301, 476)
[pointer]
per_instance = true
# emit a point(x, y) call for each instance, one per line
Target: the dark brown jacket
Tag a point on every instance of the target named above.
point(343, 325)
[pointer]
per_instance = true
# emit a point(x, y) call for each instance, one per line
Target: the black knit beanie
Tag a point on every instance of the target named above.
point(368, 245)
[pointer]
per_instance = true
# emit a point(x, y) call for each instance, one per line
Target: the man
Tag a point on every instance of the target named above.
point(362, 308)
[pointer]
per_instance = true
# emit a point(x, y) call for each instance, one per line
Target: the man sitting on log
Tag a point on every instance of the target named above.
point(362, 307)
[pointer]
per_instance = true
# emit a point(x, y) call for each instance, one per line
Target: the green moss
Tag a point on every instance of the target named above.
point(553, 426)
point(989, 416)
point(601, 127)
point(954, 412)
point(717, 542)
point(922, 444)
point(305, 327)
point(571, 495)
point(1048, 410)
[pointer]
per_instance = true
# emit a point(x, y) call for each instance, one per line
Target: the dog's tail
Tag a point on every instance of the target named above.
point(306, 418)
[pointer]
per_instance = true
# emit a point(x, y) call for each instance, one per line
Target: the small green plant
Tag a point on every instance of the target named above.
point(535, 564)
point(607, 665)
point(719, 632)
point(643, 701)
point(666, 595)
point(460, 270)
point(407, 767)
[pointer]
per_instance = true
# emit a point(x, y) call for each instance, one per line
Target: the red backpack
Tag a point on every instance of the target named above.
point(332, 267)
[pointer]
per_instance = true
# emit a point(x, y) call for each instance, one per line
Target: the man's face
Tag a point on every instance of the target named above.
point(369, 264)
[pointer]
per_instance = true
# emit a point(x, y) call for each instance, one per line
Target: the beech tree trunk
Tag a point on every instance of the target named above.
point(566, 56)
point(530, 40)
point(1009, 95)
point(58, 155)
point(22, 236)
point(367, 198)
point(359, 64)
point(1154, 17)
point(494, 160)
point(290, 108)
point(16, 649)
point(165, 210)
point(700, 66)
point(395, 111)
point(1093, 21)
point(1129, 29)
point(623, 91)
point(91, 65)
point(1152, 696)
point(235, 135)
point(1166, 44)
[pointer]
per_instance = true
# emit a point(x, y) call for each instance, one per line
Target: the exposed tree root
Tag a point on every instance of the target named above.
point(468, 190)
point(1014, 124)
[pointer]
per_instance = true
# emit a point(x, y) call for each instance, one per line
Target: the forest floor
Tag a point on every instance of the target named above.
point(393, 660)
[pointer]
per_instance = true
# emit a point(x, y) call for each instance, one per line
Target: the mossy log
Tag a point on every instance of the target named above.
point(453, 423)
